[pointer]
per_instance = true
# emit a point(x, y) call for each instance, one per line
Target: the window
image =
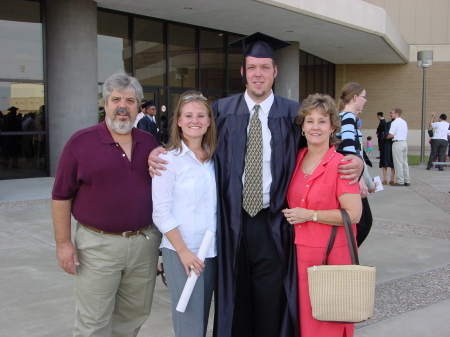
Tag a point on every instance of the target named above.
point(114, 46)
point(22, 118)
point(182, 56)
point(150, 52)
point(212, 60)
point(316, 76)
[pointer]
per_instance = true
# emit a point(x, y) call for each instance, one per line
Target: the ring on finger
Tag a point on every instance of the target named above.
point(192, 267)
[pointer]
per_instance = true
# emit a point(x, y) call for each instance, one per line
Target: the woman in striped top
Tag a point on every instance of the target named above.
point(351, 103)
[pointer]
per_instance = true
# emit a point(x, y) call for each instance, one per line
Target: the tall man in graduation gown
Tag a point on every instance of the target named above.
point(257, 277)
point(256, 264)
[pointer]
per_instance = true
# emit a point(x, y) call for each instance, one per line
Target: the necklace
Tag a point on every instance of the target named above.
point(128, 141)
point(125, 142)
point(314, 167)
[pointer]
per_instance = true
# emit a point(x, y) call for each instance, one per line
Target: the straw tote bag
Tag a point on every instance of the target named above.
point(342, 293)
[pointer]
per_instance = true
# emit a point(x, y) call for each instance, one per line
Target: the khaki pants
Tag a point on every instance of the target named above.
point(115, 282)
point(400, 157)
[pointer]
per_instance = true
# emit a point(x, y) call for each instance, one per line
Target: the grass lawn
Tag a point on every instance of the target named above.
point(413, 159)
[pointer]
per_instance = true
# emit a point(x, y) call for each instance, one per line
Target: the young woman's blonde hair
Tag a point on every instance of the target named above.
point(348, 92)
point(209, 139)
point(327, 105)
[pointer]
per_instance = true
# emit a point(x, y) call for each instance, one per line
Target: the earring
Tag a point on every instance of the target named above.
point(331, 134)
point(303, 133)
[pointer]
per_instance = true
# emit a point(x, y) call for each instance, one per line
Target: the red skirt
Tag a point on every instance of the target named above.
point(310, 327)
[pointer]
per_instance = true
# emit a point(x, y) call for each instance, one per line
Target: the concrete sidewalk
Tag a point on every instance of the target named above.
point(409, 244)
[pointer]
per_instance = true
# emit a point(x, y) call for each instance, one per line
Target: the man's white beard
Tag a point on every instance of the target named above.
point(120, 127)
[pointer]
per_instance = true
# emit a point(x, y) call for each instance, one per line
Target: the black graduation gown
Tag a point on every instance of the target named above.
point(232, 117)
point(148, 125)
point(381, 130)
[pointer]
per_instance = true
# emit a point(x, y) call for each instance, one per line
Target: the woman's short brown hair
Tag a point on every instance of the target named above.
point(328, 107)
point(209, 139)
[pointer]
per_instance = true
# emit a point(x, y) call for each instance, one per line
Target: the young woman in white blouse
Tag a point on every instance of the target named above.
point(184, 207)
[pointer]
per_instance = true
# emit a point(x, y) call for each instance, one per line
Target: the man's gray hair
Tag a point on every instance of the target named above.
point(121, 81)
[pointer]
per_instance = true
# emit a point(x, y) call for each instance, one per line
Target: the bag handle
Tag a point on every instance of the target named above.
point(350, 239)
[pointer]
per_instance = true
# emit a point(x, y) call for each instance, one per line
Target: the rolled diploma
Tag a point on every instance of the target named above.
point(190, 283)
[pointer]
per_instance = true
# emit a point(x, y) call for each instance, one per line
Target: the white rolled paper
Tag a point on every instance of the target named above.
point(190, 283)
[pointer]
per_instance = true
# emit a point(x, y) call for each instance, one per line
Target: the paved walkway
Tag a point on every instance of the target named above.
point(409, 244)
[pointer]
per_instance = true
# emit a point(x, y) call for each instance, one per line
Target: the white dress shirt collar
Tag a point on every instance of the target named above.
point(264, 105)
point(186, 150)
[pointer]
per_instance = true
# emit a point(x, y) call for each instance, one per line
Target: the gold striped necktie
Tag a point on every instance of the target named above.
point(253, 194)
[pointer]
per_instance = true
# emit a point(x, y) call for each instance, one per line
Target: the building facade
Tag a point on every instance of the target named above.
point(56, 55)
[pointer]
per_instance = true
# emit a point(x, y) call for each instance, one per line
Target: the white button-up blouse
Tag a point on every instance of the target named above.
point(184, 196)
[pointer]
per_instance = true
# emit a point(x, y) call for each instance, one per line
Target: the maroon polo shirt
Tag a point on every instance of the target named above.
point(109, 192)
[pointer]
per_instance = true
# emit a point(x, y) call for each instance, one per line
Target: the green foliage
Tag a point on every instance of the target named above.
point(413, 159)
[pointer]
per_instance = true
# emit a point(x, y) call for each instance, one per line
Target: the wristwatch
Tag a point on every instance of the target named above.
point(314, 217)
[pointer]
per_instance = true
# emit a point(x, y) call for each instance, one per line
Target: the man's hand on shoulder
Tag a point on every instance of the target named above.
point(154, 162)
point(352, 170)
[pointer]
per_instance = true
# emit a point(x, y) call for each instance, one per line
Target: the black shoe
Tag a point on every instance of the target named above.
point(378, 157)
point(407, 184)
point(441, 169)
point(428, 168)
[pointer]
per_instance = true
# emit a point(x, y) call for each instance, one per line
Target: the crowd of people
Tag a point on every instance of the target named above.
point(30, 147)
point(253, 168)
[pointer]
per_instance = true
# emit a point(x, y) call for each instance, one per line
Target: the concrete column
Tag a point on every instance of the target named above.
point(71, 71)
point(287, 81)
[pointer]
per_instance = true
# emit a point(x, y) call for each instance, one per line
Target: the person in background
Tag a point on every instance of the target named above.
point(102, 180)
point(381, 129)
point(439, 141)
point(398, 132)
point(351, 103)
point(148, 123)
point(369, 147)
point(313, 213)
point(387, 161)
point(185, 206)
point(141, 113)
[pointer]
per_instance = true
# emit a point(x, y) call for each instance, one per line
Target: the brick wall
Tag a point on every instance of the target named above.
point(398, 86)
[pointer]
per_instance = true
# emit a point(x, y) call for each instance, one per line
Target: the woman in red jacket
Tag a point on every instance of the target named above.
point(315, 195)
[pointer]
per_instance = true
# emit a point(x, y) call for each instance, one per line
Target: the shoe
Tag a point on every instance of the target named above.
point(407, 184)
point(397, 184)
point(377, 157)
point(428, 168)
point(441, 169)
point(384, 182)
point(391, 182)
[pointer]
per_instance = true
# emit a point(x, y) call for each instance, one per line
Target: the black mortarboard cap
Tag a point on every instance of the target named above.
point(258, 45)
point(13, 108)
point(148, 104)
